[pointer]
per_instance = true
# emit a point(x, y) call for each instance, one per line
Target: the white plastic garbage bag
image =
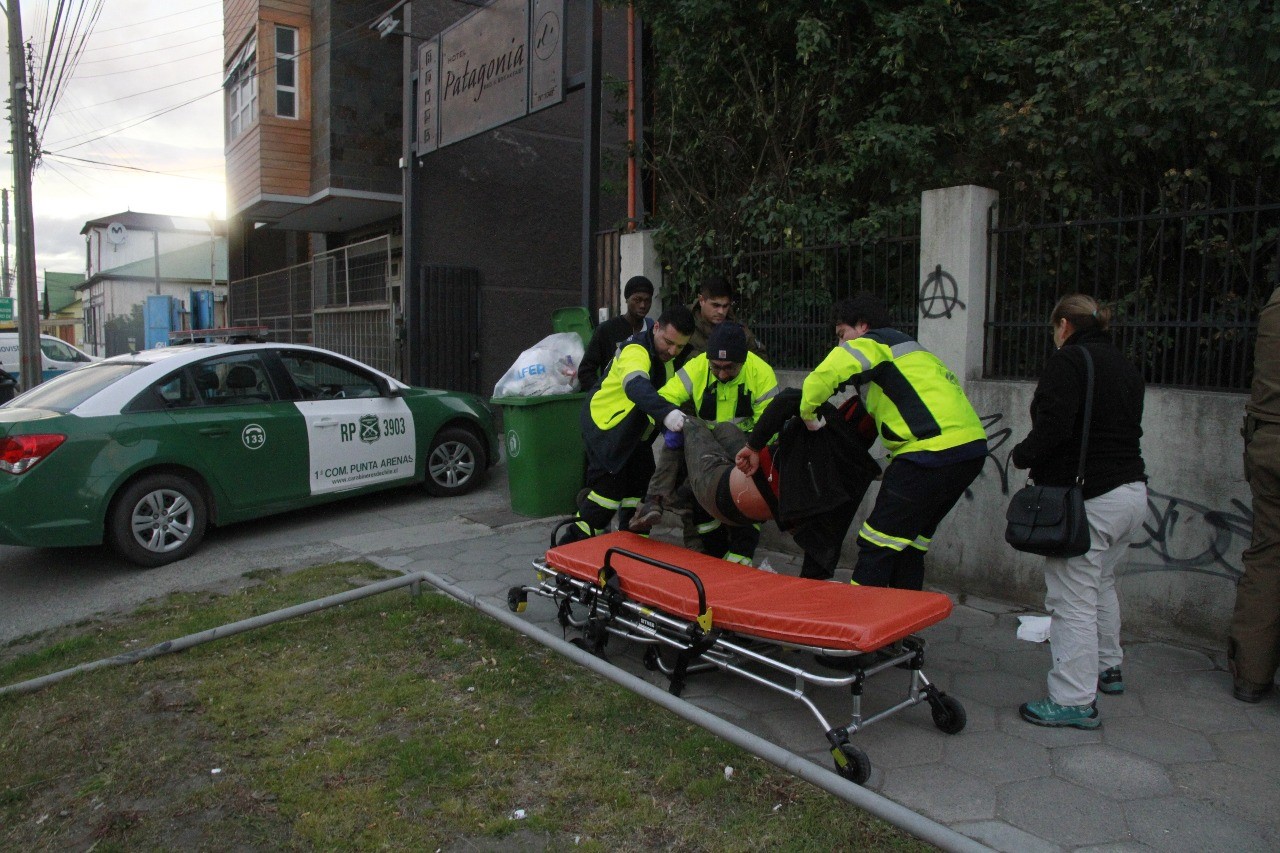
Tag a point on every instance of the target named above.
point(548, 367)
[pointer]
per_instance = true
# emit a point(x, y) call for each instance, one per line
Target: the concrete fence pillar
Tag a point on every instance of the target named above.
point(639, 257)
point(953, 275)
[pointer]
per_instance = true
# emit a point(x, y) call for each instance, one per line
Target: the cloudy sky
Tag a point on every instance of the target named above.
point(145, 98)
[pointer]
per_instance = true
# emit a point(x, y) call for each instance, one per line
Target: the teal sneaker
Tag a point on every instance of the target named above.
point(1047, 712)
point(1111, 682)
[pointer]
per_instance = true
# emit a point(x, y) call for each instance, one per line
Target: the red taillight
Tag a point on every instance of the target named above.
point(19, 453)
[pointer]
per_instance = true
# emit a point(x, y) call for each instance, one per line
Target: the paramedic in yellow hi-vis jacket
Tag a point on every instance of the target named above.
point(728, 387)
point(620, 419)
point(935, 440)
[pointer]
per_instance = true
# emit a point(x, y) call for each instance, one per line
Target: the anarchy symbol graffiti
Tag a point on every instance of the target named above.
point(939, 295)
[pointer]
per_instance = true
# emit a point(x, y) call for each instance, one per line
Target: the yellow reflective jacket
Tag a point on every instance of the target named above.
point(622, 410)
point(740, 401)
point(917, 403)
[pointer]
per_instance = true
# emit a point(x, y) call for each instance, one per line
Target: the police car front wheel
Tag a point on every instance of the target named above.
point(157, 519)
point(456, 462)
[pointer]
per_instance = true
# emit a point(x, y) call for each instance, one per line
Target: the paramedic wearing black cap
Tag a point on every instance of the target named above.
point(620, 419)
point(638, 292)
point(727, 384)
point(935, 440)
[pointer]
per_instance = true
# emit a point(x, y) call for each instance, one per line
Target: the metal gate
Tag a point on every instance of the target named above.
point(341, 300)
point(451, 327)
point(352, 311)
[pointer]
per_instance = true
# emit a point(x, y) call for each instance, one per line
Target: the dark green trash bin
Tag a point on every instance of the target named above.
point(545, 456)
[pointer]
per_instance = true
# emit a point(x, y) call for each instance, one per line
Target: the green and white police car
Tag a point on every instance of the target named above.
point(146, 450)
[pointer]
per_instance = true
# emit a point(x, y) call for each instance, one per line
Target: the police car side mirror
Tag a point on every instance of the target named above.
point(386, 389)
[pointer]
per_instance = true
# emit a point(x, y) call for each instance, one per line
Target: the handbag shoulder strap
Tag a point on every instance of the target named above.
point(1088, 411)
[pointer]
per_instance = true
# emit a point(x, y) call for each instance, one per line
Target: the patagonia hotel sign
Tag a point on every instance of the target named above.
point(496, 65)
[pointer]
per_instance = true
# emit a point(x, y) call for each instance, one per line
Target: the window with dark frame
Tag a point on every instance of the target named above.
point(286, 72)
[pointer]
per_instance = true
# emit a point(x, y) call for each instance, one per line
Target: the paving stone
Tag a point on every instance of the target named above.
point(1176, 824)
point(942, 793)
point(1241, 791)
point(1158, 740)
point(1253, 749)
point(996, 757)
point(990, 605)
point(955, 657)
point(1001, 836)
point(1264, 716)
point(1112, 772)
point(997, 689)
point(1031, 661)
point(1061, 813)
point(1164, 658)
point(1127, 704)
point(1209, 684)
point(1198, 714)
point(994, 639)
point(893, 745)
point(965, 616)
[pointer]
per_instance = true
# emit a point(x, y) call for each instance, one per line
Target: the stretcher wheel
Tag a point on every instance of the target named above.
point(856, 767)
point(517, 598)
point(948, 713)
point(651, 658)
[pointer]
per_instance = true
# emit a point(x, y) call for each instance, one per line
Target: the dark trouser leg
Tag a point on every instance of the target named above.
point(607, 493)
point(821, 538)
point(742, 543)
point(1254, 640)
point(912, 502)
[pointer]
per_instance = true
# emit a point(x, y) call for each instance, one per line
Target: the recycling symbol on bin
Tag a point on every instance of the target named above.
point(513, 443)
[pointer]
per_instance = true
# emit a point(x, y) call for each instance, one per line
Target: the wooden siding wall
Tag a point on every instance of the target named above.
point(273, 156)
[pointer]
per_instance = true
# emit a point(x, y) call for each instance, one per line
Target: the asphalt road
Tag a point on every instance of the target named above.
point(45, 588)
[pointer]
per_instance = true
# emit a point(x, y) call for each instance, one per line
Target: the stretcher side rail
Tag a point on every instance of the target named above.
point(605, 611)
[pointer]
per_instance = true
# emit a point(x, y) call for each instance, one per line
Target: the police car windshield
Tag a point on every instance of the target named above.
point(63, 393)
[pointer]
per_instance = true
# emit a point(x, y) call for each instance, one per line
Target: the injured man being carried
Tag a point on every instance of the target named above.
point(809, 481)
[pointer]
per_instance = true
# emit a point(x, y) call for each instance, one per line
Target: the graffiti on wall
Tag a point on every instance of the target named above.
point(1179, 535)
point(939, 295)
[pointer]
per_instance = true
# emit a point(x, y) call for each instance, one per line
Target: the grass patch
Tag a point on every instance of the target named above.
point(393, 722)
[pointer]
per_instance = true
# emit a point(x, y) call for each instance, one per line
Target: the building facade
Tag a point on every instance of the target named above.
point(130, 256)
point(320, 157)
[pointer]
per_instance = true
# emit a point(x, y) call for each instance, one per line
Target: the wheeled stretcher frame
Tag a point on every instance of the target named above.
point(599, 593)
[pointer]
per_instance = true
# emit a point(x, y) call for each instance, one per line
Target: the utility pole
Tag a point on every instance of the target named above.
point(20, 124)
point(6, 278)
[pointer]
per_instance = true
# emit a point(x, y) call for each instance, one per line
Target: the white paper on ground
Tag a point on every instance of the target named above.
point(1033, 629)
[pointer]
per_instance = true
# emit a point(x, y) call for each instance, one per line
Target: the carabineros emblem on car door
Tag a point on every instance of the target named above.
point(369, 432)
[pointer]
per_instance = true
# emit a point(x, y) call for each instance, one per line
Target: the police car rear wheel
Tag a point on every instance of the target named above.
point(455, 463)
point(157, 519)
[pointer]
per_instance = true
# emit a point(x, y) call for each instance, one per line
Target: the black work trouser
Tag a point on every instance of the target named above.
point(609, 493)
point(912, 502)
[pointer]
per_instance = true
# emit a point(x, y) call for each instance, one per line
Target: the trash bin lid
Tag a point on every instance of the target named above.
point(574, 318)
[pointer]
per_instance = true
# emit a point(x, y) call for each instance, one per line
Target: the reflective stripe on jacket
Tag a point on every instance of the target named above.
point(614, 418)
point(739, 401)
point(917, 403)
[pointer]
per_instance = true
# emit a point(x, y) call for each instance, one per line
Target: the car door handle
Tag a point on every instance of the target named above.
point(214, 432)
point(325, 423)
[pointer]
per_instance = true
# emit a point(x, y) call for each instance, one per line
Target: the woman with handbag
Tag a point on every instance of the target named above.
point(1087, 374)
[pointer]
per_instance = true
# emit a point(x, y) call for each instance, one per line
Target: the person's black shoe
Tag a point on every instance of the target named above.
point(1247, 691)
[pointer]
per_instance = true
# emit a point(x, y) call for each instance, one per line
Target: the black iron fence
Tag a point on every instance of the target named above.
point(1185, 274)
point(785, 295)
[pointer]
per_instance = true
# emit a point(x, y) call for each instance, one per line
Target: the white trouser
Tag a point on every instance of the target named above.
point(1084, 630)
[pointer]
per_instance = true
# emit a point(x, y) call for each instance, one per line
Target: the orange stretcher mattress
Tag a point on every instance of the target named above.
point(835, 616)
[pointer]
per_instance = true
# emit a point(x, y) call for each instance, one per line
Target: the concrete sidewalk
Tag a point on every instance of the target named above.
point(1177, 764)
